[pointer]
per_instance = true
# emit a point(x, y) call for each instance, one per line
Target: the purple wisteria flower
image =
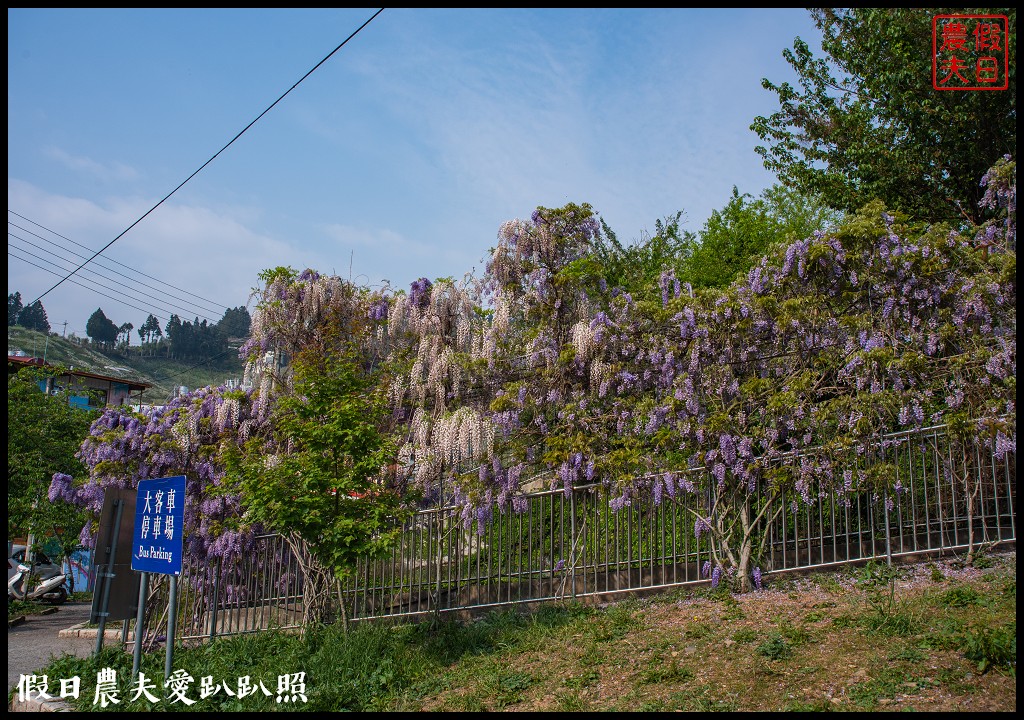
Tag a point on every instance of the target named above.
point(1005, 445)
point(378, 310)
point(61, 488)
point(757, 577)
point(701, 526)
point(419, 292)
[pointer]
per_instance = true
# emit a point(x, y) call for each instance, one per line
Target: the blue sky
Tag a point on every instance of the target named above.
point(400, 157)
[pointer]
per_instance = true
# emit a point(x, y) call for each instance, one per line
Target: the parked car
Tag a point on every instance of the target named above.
point(43, 567)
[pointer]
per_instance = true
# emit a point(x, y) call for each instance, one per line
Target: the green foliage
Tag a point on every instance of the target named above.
point(195, 339)
point(19, 608)
point(826, 582)
point(43, 435)
point(614, 624)
point(507, 687)
point(891, 616)
point(150, 330)
point(876, 573)
point(235, 323)
point(281, 272)
point(583, 680)
point(865, 122)
point(960, 596)
point(745, 635)
point(907, 654)
point(844, 621)
point(635, 267)
point(981, 561)
point(32, 317)
point(795, 634)
point(124, 335)
point(14, 306)
point(992, 647)
point(775, 648)
point(698, 631)
point(734, 238)
point(509, 658)
point(661, 671)
point(316, 477)
point(100, 328)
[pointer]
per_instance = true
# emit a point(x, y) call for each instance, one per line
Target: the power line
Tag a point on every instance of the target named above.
point(168, 195)
point(75, 282)
point(129, 278)
point(125, 291)
point(154, 376)
point(197, 365)
point(134, 270)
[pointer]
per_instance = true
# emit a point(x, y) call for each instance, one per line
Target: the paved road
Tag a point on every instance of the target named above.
point(32, 644)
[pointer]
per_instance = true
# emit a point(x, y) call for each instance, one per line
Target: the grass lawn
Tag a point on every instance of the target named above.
point(938, 637)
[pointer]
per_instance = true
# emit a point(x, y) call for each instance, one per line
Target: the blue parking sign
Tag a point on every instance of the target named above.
point(159, 526)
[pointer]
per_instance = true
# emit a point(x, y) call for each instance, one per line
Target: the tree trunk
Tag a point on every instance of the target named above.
point(317, 587)
point(743, 566)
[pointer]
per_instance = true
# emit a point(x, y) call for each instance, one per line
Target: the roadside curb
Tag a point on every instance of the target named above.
point(11, 622)
point(38, 705)
point(80, 630)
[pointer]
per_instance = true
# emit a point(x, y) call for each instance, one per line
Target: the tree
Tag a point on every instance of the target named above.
point(101, 329)
point(124, 334)
point(235, 323)
point(14, 307)
point(174, 336)
point(867, 124)
point(150, 330)
point(636, 268)
point(734, 239)
point(315, 479)
point(34, 317)
point(728, 245)
point(44, 433)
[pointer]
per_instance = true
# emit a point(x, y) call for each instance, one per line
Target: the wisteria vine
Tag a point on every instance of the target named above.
point(539, 374)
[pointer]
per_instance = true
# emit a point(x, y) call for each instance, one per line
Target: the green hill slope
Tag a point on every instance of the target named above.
point(164, 374)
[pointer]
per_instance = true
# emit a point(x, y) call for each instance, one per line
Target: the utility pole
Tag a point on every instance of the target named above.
point(64, 333)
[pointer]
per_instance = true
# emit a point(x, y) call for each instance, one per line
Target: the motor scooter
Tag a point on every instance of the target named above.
point(51, 590)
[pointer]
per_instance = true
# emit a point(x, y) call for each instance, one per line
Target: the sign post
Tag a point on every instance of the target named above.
point(157, 548)
point(116, 586)
point(140, 623)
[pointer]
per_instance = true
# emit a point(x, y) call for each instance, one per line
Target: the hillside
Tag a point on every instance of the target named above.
point(164, 374)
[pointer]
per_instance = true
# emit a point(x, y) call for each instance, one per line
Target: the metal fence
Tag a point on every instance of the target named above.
point(948, 496)
point(576, 546)
point(262, 590)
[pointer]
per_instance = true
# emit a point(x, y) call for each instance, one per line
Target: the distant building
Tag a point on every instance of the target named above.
point(85, 389)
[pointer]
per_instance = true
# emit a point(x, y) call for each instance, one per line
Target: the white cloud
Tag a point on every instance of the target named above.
point(101, 171)
point(181, 259)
